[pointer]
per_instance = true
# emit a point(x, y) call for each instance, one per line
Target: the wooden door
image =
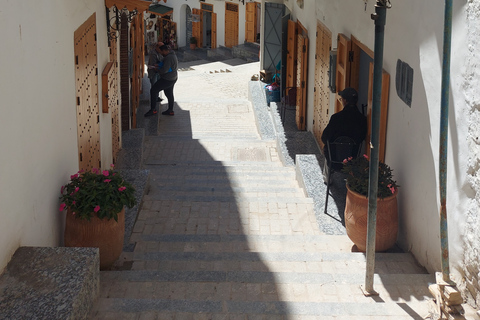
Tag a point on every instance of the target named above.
point(250, 21)
point(231, 24)
point(113, 101)
point(197, 24)
point(342, 79)
point(321, 91)
point(383, 113)
point(291, 55)
point(214, 30)
point(302, 63)
point(86, 85)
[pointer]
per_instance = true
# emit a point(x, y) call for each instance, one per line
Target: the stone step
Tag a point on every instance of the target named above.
point(242, 181)
point(229, 168)
point(282, 198)
point(148, 259)
point(261, 293)
point(225, 189)
point(167, 309)
point(50, 283)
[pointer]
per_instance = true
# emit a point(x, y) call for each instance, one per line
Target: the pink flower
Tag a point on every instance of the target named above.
point(392, 188)
point(95, 170)
point(96, 209)
point(74, 176)
point(345, 161)
point(76, 189)
point(61, 190)
point(107, 180)
point(74, 202)
point(350, 158)
point(105, 173)
point(81, 171)
point(365, 156)
point(122, 188)
point(112, 166)
point(62, 206)
point(73, 213)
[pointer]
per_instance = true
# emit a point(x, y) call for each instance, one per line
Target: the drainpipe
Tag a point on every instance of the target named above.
point(447, 40)
point(379, 17)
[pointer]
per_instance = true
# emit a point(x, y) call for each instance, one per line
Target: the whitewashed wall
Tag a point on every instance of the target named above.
point(218, 8)
point(38, 134)
point(414, 34)
point(470, 84)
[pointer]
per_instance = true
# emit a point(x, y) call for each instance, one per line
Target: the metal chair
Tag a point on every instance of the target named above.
point(340, 149)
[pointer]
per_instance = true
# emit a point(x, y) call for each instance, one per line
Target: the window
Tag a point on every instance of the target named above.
point(404, 82)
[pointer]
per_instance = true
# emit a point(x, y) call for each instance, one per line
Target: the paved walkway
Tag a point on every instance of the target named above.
point(226, 232)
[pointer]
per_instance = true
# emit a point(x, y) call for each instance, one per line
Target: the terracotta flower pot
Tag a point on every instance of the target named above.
point(107, 235)
point(356, 212)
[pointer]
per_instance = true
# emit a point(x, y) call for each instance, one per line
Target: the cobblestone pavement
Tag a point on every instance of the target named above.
point(226, 232)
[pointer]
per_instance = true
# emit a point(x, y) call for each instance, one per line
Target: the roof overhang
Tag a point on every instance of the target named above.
point(131, 5)
point(160, 9)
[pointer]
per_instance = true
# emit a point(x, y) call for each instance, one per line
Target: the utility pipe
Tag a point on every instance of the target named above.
point(379, 17)
point(447, 40)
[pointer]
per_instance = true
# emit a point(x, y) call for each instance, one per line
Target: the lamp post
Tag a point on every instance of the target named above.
point(379, 18)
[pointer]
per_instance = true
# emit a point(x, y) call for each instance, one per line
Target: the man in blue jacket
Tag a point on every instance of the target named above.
point(168, 77)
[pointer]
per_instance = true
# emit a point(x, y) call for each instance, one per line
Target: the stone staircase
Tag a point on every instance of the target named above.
point(238, 240)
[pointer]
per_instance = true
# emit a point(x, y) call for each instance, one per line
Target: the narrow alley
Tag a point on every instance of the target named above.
point(225, 230)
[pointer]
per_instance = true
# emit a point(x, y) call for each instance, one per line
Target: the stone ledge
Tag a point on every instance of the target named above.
point(50, 283)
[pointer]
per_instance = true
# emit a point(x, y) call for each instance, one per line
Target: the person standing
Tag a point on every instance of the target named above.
point(168, 77)
point(154, 57)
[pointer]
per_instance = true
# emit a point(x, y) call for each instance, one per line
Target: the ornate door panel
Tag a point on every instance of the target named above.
point(86, 84)
point(113, 100)
point(214, 30)
point(231, 24)
point(342, 80)
point(197, 24)
point(302, 64)
point(250, 21)
point(291, 54)
point(322, 92)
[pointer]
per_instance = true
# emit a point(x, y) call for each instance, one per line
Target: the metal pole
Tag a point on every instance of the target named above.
point(447, 40)
point(379, 17)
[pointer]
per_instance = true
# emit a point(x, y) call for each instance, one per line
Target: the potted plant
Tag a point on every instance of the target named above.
point(356, 206)
point(95, 202)
point(193, 43)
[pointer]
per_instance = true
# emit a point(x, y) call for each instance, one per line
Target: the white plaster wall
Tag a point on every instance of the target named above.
point(38, 135)
point(414, 34)
point(218, 8)
point(471, 84)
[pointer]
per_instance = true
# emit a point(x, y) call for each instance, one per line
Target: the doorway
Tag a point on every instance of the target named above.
point(207, 29)
point(252, 22)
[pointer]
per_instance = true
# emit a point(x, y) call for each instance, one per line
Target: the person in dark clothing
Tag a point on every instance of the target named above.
point(168, 77)
point(154, 57)
point(348, 122)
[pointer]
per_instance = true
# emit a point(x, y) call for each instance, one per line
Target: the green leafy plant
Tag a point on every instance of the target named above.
point(358, 174)
point(103, 193)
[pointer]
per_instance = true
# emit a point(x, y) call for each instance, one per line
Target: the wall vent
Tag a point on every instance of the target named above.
point(404, 82)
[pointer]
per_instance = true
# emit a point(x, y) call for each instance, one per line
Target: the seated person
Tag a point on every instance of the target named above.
point(348, 122)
